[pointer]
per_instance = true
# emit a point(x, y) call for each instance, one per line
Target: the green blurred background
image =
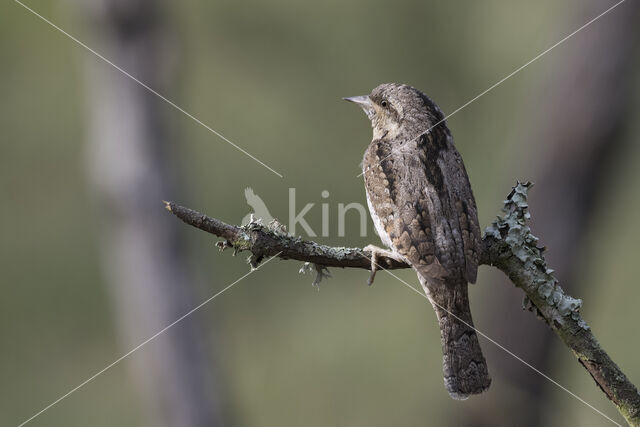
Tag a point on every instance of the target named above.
point(270, 76)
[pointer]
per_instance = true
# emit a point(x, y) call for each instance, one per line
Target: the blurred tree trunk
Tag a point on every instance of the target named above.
point(573, 133)
point(143, 259)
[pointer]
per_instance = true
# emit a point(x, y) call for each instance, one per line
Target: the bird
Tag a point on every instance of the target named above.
point(423, 209)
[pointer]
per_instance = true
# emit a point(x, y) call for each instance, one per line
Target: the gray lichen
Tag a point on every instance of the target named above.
point(511, 228)
point(321, 271)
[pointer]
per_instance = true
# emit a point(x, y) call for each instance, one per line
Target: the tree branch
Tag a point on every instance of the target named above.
point(507, 245)
point(264, 241)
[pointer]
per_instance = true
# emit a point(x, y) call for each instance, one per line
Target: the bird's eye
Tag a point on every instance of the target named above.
point(384, 103)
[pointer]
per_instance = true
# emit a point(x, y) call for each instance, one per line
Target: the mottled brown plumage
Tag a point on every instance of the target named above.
point(421, 202)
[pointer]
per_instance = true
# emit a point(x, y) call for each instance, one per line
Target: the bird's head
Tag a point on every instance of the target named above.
point(398, 110)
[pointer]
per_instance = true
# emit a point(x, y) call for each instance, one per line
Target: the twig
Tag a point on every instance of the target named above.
point(263, 241)
point(507, 245)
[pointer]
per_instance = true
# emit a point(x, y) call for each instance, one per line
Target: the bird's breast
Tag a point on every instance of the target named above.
point(377, 222)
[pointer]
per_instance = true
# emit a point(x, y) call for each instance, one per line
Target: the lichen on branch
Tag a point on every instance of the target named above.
point(510, 246)
point(513, 231)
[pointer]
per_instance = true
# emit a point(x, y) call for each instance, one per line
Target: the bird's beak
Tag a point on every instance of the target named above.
point(365, 103)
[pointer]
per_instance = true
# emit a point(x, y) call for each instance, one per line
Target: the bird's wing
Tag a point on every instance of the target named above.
point(413, 188)
point(393, 181)
point(464, 209)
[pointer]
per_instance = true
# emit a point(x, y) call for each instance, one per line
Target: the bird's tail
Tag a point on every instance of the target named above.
point(464, 366)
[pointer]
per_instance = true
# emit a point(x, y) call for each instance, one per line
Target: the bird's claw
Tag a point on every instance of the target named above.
point(375, 254)
point(375, 251)
point(374, 267)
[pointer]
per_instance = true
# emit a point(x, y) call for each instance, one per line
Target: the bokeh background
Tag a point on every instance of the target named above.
point(91, 264)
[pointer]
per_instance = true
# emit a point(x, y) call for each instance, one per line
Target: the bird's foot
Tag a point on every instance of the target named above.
point(375, 253)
